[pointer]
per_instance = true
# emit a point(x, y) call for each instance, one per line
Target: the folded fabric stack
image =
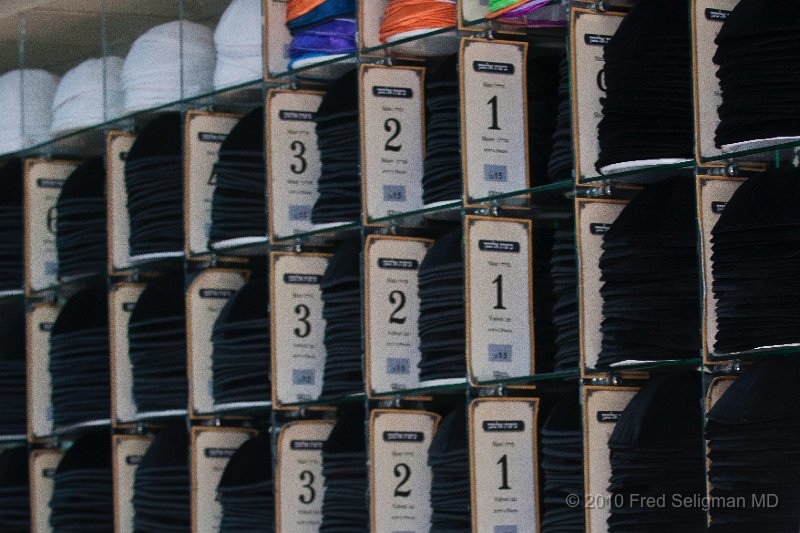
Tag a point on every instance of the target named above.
point(341, 297)
point(79, 359)
point(448, 458)
point(81, 240)
point(321, 29)
point(166, 63)
point(529, 13)
point(11, 226)
point(15, 503)
point(564, 270)
point(238, 42)
point(562, 467)
point(82, 498)
point(561, 158)
point(442, 314)
point(157, 346)
point(87, 95)
point(245, 490)
point(544, 299)
point(651, 278)
point(441, 180)
point(26, 97)
point(239, 205)
point(13, 377)
point(154, 182)
point(754, 264)
point(403, 19)
point(654, 454)
point(241, 339)
point(543, 102)
point(344, 466)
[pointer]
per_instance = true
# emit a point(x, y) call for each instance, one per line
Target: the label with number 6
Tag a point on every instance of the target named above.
point(400, 478)
point(298, 328)
point(299, 484)
point(503, 463)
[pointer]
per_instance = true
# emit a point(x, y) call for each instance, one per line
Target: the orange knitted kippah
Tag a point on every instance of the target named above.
point(407, 15)
point(298, 8)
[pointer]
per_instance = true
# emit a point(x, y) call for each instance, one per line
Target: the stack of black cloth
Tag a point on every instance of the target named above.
point(562, 467)
point(758, 100)
point(544, 299)
point(654, 453)
point(157, 346)
point(238, 208)
point(12, 368)
point(341, 298)
point(651, 278)
point(448, 458)
point(442, 178)
point(239, 361)
point(82, 498)
point(154, 182)
point(81, 222)
point(162, 486)
point(543, 104)
point(339, 148)
point(564, 270)
point(755, 246)
point(245, 490)
point(344, 466)
point(79, 359)
point(11, 226)
point(647, 110)
point(560, 165)
point(15, 511)
point(754, 450)
point(442, 316)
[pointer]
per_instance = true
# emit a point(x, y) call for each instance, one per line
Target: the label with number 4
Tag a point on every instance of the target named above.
point(298, 328)
point(400, 478)
point(393, 137)
point(299, 485)
point(494, 117)
point(293, 160)
point(499, 296)
point(503, 460)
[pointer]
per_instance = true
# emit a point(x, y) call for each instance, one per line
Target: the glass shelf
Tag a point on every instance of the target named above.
point(22, 437)
point(67, 287)
point(757, 353)
point(328, 69)
point(438, 39)
point(320, 235)
point(447, 210)
point(242, 408)
point(244, 247)
point(652, 366)
point(76, 428)
point(150, 416)
point(644, 176)
point(780, 151)
point(11, 295)
point(328, 401)
point(555, 188)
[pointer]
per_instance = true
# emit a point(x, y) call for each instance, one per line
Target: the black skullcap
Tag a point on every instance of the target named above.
point(162, 137)
point(441, 180)
point(15, 514)
point(11, 226)
point(250, 464)
point(245, 491)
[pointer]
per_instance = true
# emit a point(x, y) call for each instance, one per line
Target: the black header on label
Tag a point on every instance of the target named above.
point(493, 67)
point(46, 326)
point(128, 306)
point(498, 246)
point(219, 294)
point(309, 445)
point(403, 436)
point(717, 14)
point(390, 263)
point(133, 459)
point(211, 137)
point(302, 279)
point(383, 91)
point(219, 453)
point(718, 207)
point(504, 426)
point(599, 228)
point(594, 39)
point(49, 183)
point(305, 116)
point(608, 416)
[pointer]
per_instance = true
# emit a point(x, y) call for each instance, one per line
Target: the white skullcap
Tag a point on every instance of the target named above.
point(151, 75)
point(238, 39)
point(79, 103)
point(38, 88)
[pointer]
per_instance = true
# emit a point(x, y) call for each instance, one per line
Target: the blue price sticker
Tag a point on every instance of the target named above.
point(500, 353)
point(303, 376)
point(299, 212)
point(505, 529)
point(495, 173)
point(394, 193)
point(398, 366)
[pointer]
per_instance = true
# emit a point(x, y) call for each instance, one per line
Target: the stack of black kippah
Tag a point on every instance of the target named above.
point(543, 104)
point(562, 467)
point(560, 165)
point(15, 511)
point(442, 177)
point(12, 368)
point(564, 270)
point(11, 226)
point(245, 490)
point(448, 458)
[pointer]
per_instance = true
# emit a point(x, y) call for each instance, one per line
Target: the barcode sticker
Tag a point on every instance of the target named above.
point(303, 376)
point(500, 353)
point(394, 193)
point(398, 366)
point(299, 212)
point(495, 173)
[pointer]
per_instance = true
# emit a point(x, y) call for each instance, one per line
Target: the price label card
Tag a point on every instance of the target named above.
point(212, 448)
point(276, 37)
point(707, 19)
point(499, 295)
point(293, 160)
point(473, 9)
point(204, 133)
point(299, 484)
point(208, 293)
point(392, 311)
point(593, 219)
point(298, 328)
point(392, 139)
point(43, 181)
point(503, 458)
point(39, 322)
point(590, 33)
point(42, 465)
point(494, 117)
point(127, 451)
point(118, 144)
point(121, 301)
point(713, 194)
point(400, 478)
point(603, 407)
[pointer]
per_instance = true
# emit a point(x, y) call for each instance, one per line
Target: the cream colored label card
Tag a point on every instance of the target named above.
point(40, 320)
point(276, 37)
point(117, 147)
point(121, 302)
point(43, 465)
point(128, 452)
